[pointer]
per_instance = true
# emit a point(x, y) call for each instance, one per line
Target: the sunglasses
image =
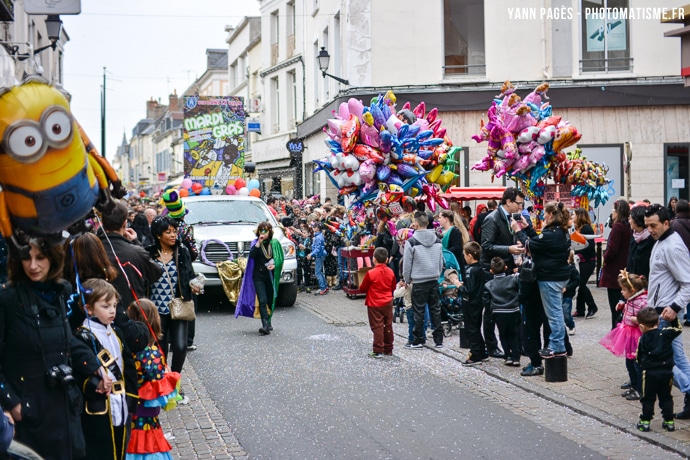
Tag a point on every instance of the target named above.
point(263, 230)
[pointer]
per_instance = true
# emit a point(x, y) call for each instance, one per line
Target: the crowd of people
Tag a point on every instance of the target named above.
point(520, 289)
point(92, 352)
point(87, 332)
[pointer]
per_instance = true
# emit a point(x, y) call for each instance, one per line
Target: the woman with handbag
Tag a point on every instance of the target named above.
point(261, 278)
point(172, 290)
point(550, 250)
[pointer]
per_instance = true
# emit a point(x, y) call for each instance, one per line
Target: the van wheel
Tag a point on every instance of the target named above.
point(287, 295)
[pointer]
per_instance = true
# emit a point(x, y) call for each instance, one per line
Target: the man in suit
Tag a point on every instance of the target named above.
point(498, 240)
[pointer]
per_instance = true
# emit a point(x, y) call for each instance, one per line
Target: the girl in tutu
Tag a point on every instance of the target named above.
point(158, 388)
point(622, 340)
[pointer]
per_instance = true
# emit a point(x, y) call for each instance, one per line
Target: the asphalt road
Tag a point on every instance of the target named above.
point(308, 391)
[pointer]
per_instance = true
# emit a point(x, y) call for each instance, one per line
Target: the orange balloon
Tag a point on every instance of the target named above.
point(255, 192)
point(184, 192)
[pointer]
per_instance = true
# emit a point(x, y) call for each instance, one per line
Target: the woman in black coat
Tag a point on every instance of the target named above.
point(550, 250)
point(176, 262)
point(39, 352)
point(384, 239)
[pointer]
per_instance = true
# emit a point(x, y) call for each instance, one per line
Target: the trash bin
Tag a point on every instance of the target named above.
point(556, 369)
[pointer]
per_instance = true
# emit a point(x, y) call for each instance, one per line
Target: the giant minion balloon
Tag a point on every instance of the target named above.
point(47, 177)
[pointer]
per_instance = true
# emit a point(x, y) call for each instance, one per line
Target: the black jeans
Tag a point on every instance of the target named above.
point(489, 326)
point(422, 294)
point(533, 318)
point(473, 327)
point(634, 373)
point(509, 330)
point(584, 295)
point(264, 291)
point(191, 326)
point(175, 338)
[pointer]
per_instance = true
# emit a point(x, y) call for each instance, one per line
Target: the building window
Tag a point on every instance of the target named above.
point(312, 180)
point(677, 172)
point(291, 27)
point(605, 36)
point(292, 98)
point(464, 37)
point(275, 99)
point(233, 75)
point(317, 77)
point(326, 83)
point(275, 35)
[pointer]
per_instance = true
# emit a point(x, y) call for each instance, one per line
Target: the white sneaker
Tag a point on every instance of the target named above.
point(571, 331)
point(169, 436)
point(184, 400)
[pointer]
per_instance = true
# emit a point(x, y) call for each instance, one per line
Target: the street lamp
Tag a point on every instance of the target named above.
point(53, 27)
point(323, 59)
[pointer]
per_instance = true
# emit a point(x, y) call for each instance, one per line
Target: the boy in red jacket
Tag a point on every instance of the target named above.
point(379, 284)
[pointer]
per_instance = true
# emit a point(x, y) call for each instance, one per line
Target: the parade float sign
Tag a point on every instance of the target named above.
point(214, 140)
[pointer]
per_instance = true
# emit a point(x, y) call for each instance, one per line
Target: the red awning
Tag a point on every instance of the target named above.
point(473, 193)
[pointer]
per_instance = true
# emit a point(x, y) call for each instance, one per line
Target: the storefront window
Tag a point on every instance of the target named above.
point(677, 171)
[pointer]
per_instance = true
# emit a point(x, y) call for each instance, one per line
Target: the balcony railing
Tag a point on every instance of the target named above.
point(624, 64)
point(473, 69)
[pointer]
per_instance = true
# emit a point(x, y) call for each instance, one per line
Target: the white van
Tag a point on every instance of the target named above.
point(228, 222)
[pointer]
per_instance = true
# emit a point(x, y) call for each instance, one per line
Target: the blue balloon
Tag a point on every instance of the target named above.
point(205, 191)
point(254, 183)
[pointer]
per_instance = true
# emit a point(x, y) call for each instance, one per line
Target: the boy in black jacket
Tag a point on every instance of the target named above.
point(655, 357)
point(471, 293)
point(500, 295)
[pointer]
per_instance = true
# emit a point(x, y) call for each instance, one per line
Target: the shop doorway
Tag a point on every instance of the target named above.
point(676, 171)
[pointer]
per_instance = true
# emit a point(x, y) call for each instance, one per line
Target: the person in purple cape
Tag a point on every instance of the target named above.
point(261, 278)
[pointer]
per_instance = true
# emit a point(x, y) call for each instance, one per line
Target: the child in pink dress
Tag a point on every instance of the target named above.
point(623, 339)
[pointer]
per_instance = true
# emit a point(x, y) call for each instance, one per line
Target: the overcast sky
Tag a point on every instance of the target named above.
point(150, 48)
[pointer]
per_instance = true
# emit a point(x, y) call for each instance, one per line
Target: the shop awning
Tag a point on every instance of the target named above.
point(473, 193)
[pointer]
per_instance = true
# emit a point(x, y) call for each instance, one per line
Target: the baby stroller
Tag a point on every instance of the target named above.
point(451, 302)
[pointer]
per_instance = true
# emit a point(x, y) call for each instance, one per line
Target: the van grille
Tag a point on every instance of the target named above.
point(217, 253)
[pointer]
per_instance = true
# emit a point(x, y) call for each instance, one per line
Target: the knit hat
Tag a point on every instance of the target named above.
point(174, 203)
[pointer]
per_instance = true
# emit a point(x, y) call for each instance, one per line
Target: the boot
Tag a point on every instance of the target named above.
point(270, 326)
point(264, 330)
point(685, 413)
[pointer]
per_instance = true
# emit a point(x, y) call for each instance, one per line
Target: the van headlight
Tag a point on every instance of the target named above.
point(289, 250)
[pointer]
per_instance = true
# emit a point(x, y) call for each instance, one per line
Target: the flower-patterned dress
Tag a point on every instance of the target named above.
point(158, 389)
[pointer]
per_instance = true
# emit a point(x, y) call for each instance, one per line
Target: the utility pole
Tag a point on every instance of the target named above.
point(103, 116)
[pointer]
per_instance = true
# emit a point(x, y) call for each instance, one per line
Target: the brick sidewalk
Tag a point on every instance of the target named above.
point(594, 374)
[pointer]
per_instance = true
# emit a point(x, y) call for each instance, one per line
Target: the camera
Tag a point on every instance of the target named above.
point(516, 216)
point(60, 374)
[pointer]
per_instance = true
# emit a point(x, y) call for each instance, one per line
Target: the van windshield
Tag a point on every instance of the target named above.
point(226, 212)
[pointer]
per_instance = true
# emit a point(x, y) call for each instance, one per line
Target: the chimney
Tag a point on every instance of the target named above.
point(151, 108)
point(173, 102)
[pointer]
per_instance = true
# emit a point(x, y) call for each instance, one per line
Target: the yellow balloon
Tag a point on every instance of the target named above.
point(434, 174)
point(445, 178)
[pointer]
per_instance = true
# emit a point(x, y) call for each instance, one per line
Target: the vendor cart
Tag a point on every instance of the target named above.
point(358, 262)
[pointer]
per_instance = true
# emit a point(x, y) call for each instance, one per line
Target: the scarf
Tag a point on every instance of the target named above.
point(445, 241)
point(640, 236)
